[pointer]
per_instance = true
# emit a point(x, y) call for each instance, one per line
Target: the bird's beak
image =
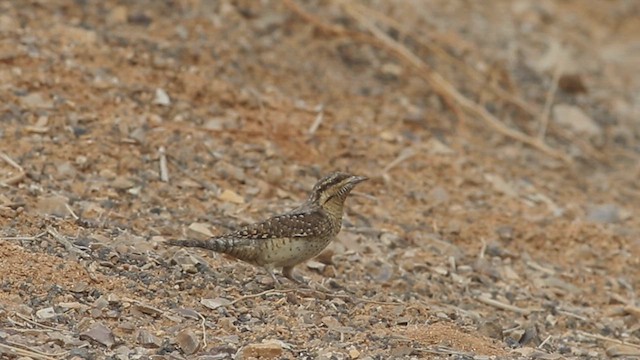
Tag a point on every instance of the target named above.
point(358, 179)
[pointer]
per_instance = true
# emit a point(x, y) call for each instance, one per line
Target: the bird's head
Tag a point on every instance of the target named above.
point(334, 188)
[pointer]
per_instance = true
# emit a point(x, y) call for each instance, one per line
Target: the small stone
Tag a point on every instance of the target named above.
point(139, 134)
point(574, 118)
point(216, 123)
point(65, 170)
point(101, 334)
point(122, 183)
point(605, 213)
point(8, 23)
point(436, 147)
point(188, 341)
point(79, 287)
point(148, 310)
point(199, 231)
point(391, 70)
point(35, 101)
point(75, 34)
point(438, 196)
point(266, 350)
point(231, 196)
point(214, 303)
point(331, 322)
point(314, 265)
point(46, 313)
point(24, 309)
point(148, 340)
point(162, 98)
point(127, 326)
point(622, 351)
point(123, 352)
point(491, 328)
point(274, 174)
point(505, 232)
point(354, 354)
point(53, 205)
point(117, 15)
point(101, 303)
point(186, 261)
point(227, 170)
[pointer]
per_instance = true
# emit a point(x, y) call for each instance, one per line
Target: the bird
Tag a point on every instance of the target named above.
point(286, 240)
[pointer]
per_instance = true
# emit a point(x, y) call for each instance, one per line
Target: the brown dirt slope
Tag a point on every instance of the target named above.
point(501, 140)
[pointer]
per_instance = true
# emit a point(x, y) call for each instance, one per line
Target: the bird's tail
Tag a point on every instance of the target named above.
point(217, 245)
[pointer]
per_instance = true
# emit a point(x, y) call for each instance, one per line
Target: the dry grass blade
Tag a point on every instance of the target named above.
point(25, 238)
point(12, 348)
point(67, 244)
point(608, 339)
point(500, 305)
point(12, 180)
point(544, 117)
point(164, 170)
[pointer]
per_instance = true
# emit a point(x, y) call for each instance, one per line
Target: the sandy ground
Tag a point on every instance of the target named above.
point(500, 219)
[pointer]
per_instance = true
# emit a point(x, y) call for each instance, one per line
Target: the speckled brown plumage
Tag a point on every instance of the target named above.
point(289, 239)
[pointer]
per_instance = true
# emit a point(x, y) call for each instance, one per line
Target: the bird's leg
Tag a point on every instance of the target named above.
point(287, 272)
point(275, 279)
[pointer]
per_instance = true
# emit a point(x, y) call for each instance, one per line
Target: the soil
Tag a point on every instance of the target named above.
point(499, 221)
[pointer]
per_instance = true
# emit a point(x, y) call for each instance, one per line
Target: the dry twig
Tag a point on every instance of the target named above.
point(204, 330)
point(317, 122)
point(164, 170)
point(23, 350)
point(12, 180)
point(67, 244)
point(500, 305)
point(544, 117)
point(25, 238)
point(608, 339)
point(46, 327)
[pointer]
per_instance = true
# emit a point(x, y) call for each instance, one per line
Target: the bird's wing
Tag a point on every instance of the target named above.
point(293, 224)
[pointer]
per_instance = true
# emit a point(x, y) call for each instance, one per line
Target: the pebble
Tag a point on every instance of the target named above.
point(231, 196)
point(122, 183)
point(46, 313)
point(199, 231)
point(101, 334)
point(162, 98)
point(65, 170)
point(35, 101)
point(605, 213)
point(573, 118)
point(186, 261)
point(438, 196)
point(53, 205)
point(214, 303)
point(8, 23)
point(622, 351)
point(354, 354)
point(227, 170)
point(139, 134)
point(188, 341)
point(148, 340)
point(75, 34)
point(117, 15)
point(267, 350)
point(315, 265)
